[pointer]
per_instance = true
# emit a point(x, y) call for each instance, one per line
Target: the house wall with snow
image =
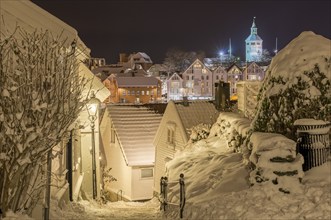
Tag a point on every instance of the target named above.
point(30, 17)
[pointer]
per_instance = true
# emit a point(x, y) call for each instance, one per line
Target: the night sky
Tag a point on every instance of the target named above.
point(154, 26)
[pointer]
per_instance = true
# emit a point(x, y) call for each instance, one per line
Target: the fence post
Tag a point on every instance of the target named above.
point(163, 192)
point(182, 194)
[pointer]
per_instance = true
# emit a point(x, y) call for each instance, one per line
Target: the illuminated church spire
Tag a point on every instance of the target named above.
point(253, 45)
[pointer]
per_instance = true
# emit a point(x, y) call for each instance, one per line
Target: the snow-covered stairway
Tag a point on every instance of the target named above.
point(135, 126)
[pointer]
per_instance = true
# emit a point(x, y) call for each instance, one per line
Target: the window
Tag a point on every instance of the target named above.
point(143, 92)
point(147, 92)
point(202, 77)
point(171, 133)
point(207, 77)
point(146, 173)
point(138, 92)
point(132, 92)
point(123, 93)
point(216, 77)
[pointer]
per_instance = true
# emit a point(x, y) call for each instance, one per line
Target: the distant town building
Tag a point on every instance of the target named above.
point(133, 89)
point(253, 45)
point(198, 81)
point(134, 60)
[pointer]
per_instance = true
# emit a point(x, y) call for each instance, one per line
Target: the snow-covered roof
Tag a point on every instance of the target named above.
point(136, 81)
point(196, 112)
point(31, 17)
point(141, 56)
point(135, 126)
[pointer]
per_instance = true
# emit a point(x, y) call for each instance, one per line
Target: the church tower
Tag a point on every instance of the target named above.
point(253, 45)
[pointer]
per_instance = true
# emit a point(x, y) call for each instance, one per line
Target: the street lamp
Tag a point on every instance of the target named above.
point(92, 109)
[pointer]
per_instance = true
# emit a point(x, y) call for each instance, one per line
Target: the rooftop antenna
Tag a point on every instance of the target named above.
point(276, 50)
point(230, 48)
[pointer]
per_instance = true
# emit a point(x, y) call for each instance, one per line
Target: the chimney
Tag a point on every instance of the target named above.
point(123, 58)
point(222, 95)
point(185, 101)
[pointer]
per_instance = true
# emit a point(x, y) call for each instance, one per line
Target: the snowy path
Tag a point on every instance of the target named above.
point(113, 210)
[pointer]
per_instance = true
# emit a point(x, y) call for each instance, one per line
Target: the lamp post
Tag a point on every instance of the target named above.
point(92, 109)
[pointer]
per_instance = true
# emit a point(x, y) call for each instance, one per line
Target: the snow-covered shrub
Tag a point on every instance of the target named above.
point(297, 85)
point(40, 98)
point(276, 164)
point(234, 127)
point(199, 132)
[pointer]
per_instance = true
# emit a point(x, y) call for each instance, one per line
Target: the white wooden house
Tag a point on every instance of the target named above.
point(128, 132)
point(173, 133)
point(234, 75)
point(175, 87)
point(253, 72)
point(198, 81)
point(220, 74)
point(31, 17)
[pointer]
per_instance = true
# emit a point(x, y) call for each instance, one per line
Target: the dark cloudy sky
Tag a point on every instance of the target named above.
point(110, 27)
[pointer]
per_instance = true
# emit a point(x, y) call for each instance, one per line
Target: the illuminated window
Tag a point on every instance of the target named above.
point(143, 92)
point(147, 92)
point(197, 65)
point(204, 70)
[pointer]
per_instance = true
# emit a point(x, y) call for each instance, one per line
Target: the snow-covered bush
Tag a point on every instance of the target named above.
point(199, 132)
point(40, 98)
point(235, 128)
point(275, 162)
point(297, 85)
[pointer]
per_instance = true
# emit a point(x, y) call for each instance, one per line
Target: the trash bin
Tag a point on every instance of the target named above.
point(313, 142)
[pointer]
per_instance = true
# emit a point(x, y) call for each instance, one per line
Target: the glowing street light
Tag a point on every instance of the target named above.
point(92, 109)
point(221, 55)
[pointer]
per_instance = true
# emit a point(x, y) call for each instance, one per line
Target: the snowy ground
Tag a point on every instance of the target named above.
point(217, 187)
point(112, 210)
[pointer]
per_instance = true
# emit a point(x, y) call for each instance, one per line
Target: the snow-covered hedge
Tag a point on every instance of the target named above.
point(297, 85)
point(235, 128)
